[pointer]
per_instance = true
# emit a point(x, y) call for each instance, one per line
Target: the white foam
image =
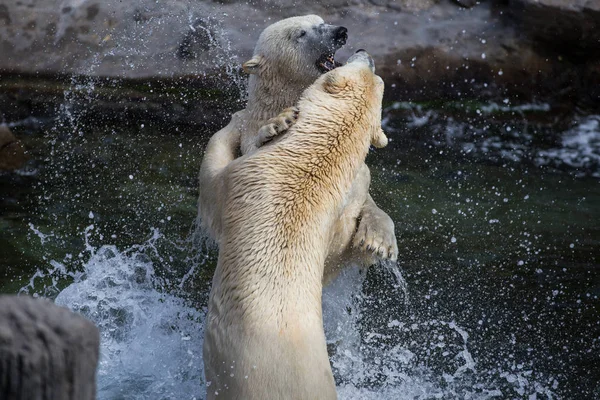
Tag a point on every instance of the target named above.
point(151, 340)
point(580, 147)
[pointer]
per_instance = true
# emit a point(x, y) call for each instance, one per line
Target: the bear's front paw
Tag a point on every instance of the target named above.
point(277, 126)
point(375, 234)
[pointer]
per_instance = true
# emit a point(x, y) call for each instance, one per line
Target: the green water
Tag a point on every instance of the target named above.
point(510, 251)
point(125, 181)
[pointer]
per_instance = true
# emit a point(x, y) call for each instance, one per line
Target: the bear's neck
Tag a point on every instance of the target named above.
point(267, 100)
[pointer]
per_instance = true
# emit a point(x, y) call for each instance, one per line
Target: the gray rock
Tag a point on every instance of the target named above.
point(46, 352)
point(564, 26)
point(408, 6)
point(108, 38)
point(421, 48)
point(467, 3)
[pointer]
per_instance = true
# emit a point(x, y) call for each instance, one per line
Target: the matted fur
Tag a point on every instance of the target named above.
point(281, 69)
point(264, 335)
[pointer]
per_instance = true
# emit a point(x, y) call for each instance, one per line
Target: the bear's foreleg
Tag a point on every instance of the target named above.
point(222, 149)
point(276, 126)
point(375, 232)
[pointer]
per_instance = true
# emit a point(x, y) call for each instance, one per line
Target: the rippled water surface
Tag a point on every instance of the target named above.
point(495, 294)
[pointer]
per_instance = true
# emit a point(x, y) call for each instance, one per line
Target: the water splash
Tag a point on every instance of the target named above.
point(151, 340)
point(413, 358)
point(151, 337)
point(393, 269)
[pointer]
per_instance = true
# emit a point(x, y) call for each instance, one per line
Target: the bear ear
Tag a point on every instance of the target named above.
point(252, 65)
point(379, 139)
point(334, 82)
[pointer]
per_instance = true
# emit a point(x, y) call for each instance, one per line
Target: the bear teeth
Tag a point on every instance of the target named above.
point(327, 62)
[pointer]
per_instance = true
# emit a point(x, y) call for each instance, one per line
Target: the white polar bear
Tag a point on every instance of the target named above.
point(280, 207)
point(289, 56)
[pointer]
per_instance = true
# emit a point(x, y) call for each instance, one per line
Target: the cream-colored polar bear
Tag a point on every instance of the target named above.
point(289, 56)
point(264, 335)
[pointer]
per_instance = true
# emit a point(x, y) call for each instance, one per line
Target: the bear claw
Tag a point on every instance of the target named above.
point(277, 126)
point(375, 234)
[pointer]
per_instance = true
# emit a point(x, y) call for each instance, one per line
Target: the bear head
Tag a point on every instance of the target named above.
point(302, 48)
point(357, 84)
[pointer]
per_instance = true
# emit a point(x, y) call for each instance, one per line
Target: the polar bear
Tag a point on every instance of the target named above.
point(264, 335)
point(289, 56)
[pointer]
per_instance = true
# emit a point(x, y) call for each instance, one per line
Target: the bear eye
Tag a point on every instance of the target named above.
point(302, 33)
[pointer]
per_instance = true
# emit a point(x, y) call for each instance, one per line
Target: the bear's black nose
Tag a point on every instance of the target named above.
point(341, 35)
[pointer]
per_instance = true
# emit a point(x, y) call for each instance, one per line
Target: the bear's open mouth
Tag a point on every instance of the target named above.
point(327, 62)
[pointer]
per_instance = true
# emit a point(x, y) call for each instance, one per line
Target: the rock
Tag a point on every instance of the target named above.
point(452, 53)
point(564, 26)
point(132, 39)
point(12, 153)
point(467, 3)
point(46, 352)
point(458, 51)
point(410, 6)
